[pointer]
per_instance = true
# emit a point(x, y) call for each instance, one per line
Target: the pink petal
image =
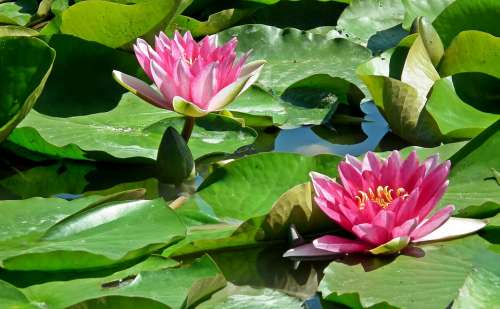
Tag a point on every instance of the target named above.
point(166, 85)
point(354, 162)
point(408, 208)
point(431, 163)
point(202, 86)
point(433, 223)
point(336, 216)
point(141, 89)
point(432, 183)
point(337, 244)
point(141, 49)
point(429, 206)
point(390, 170)
point(304, 251)
point(372, 163)
point(327, 188)
point(384, 219)
point(351, 178)
point(371, 233)
point(405, 229)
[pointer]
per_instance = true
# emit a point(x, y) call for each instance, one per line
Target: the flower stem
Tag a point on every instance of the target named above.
point(188, 128)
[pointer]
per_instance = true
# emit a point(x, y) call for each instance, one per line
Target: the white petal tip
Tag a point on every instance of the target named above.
point(453, 228)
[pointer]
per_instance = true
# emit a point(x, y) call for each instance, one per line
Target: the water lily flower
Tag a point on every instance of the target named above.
point(385, 205)
point(192, 78)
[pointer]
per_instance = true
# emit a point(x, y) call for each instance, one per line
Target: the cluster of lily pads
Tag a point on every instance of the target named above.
point(141, 160)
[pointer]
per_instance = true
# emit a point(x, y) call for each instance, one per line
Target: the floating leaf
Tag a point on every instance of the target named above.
point(44, 241)
point(415, 281)
point(25, 65)
point(115, 24)
point(461, 15)
point(472, 51)
point(472, 188)
point(364, 18)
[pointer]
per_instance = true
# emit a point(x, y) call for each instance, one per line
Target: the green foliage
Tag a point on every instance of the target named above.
point(24, 68)
point(99, 191)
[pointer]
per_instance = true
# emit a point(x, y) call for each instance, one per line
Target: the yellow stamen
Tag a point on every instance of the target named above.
point(383, 197)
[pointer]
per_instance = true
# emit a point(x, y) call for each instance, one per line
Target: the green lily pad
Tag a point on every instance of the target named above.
point(83, 234)
point(114, 24)
point(430, 9)
point(472, 51)
point(455, 118)
point(115, 134)
point(17, 13)
point(461, 15)
point(215, 23)
point(235, 297)
point(364, 18)
point(254, 206)
point(17, 31)
point(155, 283)
point(433, 279)
point(25, 65)
point(473, 189)
point(293, 55)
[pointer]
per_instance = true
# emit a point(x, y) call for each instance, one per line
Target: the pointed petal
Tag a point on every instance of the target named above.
point(140, 89)
point(253, 69)
point(372, 163)
point(227, 94)
point(327, 188)
point(202, 85)
point(307, 250)
point(351, 178)
point(338, 244)
point(433, 222)
point(384, 219)
point(185, 107)
point(454, 227)
point(405, 229)
point(371, 233)
point(393, 246)
point(354, 162)
point(431, 163)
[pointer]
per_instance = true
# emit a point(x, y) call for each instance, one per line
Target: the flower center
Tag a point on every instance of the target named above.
point(383, 196)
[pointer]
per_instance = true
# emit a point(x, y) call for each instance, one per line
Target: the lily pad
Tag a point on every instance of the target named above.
point(430, 9)
point(115, 24)
point(115, 134)
point(455, 118)
point(18, 12)
point(472, 51)
point(461, 15)
point(473, 189)
point(235, 297)
point(235, 215)
point(153, 282)
point(24, 68)
point(293, 55)
point(432, 279)
point(364, 18)
point(83, 234)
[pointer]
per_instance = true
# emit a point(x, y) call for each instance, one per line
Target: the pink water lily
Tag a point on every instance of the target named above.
point(191, 78)
point(385, 205)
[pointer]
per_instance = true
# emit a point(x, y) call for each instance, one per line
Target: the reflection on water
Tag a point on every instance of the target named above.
point(340, 140)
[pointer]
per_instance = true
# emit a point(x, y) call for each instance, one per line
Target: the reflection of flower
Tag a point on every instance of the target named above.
point(193, 78)
point(383, 203)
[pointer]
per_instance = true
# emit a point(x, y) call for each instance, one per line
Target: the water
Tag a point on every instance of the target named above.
point(305, 140)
